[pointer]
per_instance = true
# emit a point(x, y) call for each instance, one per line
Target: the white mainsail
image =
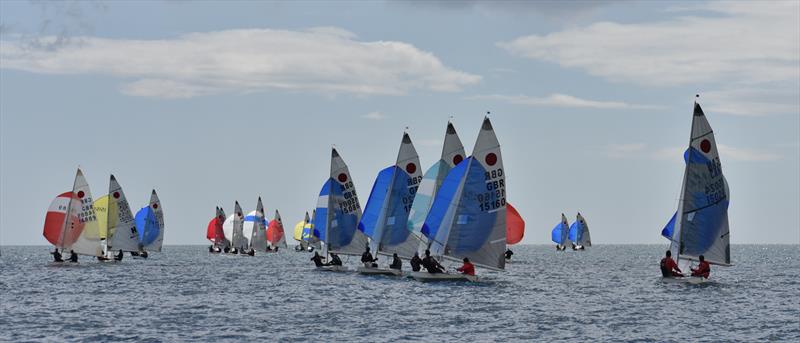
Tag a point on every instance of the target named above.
point(121, 223)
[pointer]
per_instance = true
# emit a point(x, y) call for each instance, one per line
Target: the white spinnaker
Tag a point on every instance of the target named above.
point(249, 228)
point(88, 243)
point(124, 236)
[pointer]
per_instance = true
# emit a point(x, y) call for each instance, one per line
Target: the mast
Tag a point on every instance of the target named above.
point(677, 246)
point(68, 216)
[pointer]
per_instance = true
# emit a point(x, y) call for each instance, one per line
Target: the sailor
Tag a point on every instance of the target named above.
point(57, 256)
point(367, 259)
point(703, 269)
point(668, 266)
point(211, 248)
point(73, 257)
point(397, 263)
point(143, 254)
point(431, 264)
point(119, 256)
point(468, 268)
point(251, 252)
point(317, 260)
point(335, 260)
point(276, 249)
point(509, 253)
point(416, 262)
point(227, 249)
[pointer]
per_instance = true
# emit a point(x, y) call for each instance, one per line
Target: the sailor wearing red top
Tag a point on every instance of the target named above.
point(703, 269)
point(669, 267)
point(468, 268)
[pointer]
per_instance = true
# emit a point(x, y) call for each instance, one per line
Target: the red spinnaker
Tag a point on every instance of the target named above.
point(515, 226)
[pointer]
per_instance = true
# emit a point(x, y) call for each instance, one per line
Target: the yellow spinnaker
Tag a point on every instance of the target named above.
point(298, 230)
point(107, 212)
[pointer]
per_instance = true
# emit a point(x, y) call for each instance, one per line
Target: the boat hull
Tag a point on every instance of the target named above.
point(333, 269)
point(379, 271)
point(694, 280)
point(429, 277)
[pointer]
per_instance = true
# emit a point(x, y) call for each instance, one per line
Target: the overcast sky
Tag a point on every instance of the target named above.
point(213, 102)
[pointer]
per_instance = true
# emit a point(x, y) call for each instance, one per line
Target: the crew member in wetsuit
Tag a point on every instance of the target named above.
point(251, 252)
point(416, 262)
point(119, 256)
point(211, 248)
point(431, 264)
point(317, 260)
point(397, 263)
point(508, 254)
point(57, 256)
point(335, 260)
point(468, 268)
point(227, 249)
point(368, 260)
point(73, 257)
point(143, 254)
point(703, 269)
point(668, 266)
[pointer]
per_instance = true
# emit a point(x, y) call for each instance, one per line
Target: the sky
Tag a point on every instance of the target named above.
point(213, 102)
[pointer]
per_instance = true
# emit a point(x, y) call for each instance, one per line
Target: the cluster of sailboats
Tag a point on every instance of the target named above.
point(245, 234)
point(575, 235)
point(104, 228)
point(457, 209)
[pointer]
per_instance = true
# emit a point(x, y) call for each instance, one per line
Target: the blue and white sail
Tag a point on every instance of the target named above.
point(339, 211)
point(468, 215)
point(579, 232)
point(452, 154)
point(560, 233)
point(700, 225)
point(151, 235)
point(385, 218)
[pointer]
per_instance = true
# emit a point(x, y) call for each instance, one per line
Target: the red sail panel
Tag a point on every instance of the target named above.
point(57, 216)
point(275, 232)
point(211, 232)
point(515, 226)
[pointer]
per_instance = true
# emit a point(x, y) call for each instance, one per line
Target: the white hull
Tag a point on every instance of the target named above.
point(694, 280)
point(429, 277)
point(333, 269)
point(379, 271)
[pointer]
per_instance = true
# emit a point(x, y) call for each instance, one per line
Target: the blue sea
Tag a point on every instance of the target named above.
point(610, 293)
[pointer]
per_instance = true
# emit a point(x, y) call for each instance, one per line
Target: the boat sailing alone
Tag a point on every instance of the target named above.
point(700, 225)
point(338, 213)
point(385, 218)
point(468, 215)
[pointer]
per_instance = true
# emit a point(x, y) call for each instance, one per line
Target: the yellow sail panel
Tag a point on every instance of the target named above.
point(99, 231)
point(298, 230)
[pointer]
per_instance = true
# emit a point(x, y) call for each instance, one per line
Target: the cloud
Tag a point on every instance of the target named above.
point(374, 115)
point(328, 60)
point(753, 102)
point(741, 42)
point(544, 8)
point(560, 100)
point(727, 153)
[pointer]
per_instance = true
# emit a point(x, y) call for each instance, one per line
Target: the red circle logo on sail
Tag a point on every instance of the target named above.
point(705, 145)
point(457, 159)
point(411, 168)
point(239, 214)
point(342, 177)
point(81, 194)
point(116, 195)
point(155, 206)
point(221, 217)
point(491, 159)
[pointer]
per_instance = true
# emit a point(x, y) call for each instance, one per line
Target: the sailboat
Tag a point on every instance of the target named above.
point(302, 242)
point(579, 234)
point(515, 228)
point(452, 154)
point(385, 218)
point(338, 213)
point(150, 226)
point(468, 215)
point(116, 222)
point(232, 227)
point(71, 223)
point(275, 235)
point(254, 229)
point(700, 225)
point(560, 234)
point(214, 232)
point(309, 234)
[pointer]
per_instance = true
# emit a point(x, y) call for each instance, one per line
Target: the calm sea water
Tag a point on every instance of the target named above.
point(608, 293)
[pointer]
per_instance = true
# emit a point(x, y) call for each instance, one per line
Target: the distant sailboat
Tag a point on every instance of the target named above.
point(385, 218)
point(338, 212)
point(560, 234)
point(116, 222)
point(579, 234)
point(300, 235)
point(700, 225)
point(232, 227)
point(275, 234)
point(150, 225)
point(254, 229)
point(309, 234)
point(71, 224)
point(214, 232)
point(468, 215)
